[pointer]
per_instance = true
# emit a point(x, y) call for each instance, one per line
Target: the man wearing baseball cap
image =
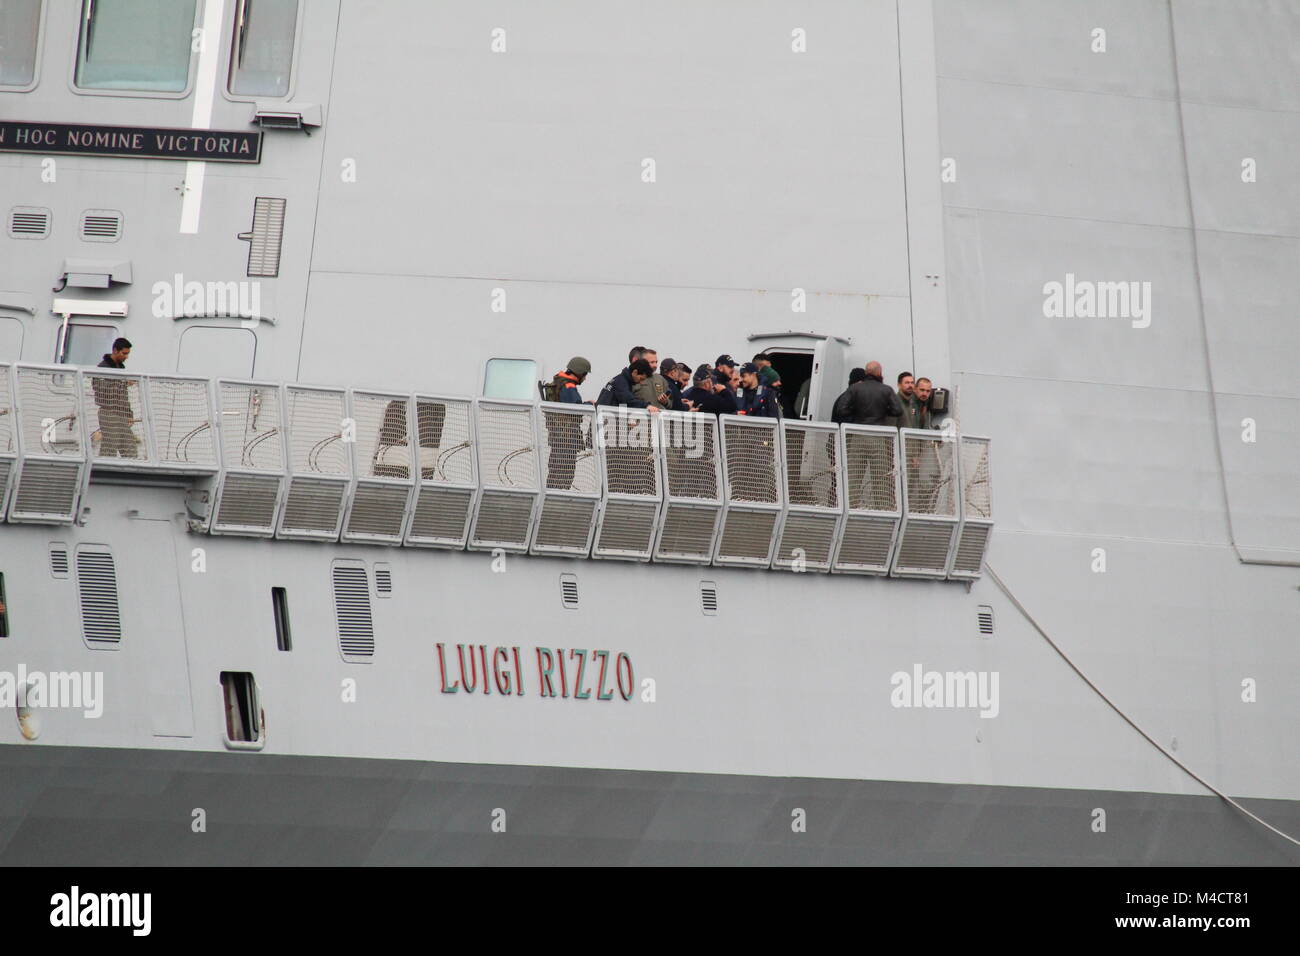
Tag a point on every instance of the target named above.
point(755, 398)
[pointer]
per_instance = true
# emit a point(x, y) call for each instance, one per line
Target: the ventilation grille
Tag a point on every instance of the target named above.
point(29, 222)
point(101, 621)
point(503, 520)
point(626, 529)
point(59, 560)
point(747, 537)
point(565, 525)
point(970, 549)
point(247, 504)
point(924, 548)
point(378, 512)
point(47, 491)
point(383, 580)
point(313, 508)
point(101, 225)
point(709, 598)
point(440, 516)
point(352, 611)
point(265, 237)
point(688, 533)
point(865, 544)
point(569, 590)
point(813, 534)
point(986, 619)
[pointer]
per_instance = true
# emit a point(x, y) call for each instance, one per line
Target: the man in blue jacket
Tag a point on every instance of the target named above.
point(755, 398)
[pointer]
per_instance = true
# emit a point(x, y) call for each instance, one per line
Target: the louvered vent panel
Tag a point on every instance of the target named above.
point(265, 237)
point(865, 544)
point(59, 560)
point(47, 491)
point(101, 621)
point(985, 619)
point(503, 519)
point(101, 225)
point(383, 579)
point(747, 536)
point(970, 548)
point(313, 507)
point(6, 467)
point(565, 525)
point(29, 222)
point(814, 534)
point(378, 511)
point(708, 598)
point(569, 590)
point(924, 547)
point(352, 612)
point(627, 528)
point(247, 501)
point(440, 516)
point(687, 533)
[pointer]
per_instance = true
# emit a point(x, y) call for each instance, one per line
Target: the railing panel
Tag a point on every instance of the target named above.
point(692, 482)
point(51, 470)
point(8, 437)
point(931, 502)
point(754, 496)
point(182, 423)
point(250, 487)
point(814, 481)
point(571, 481)
point(628, 439)
point(872, 499)
point(976, 509)
point(509, 474)
point(447, 475)
point(383, 463)
point(117, 425)
point(320, 467)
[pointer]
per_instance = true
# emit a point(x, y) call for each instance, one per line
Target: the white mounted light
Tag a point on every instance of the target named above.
point(100, 307)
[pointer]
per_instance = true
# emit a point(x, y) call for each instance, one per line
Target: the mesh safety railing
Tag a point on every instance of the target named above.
point(446, 472)
point(814, 504)
point(571, 481)
point(249, 492)
point(692, 479)
point(976, 508)
point(754, 496)
point(628, 440)
point(509, 475)
point(930, 495)
point(872, 500)
point(382, 461)
point(116, 422)
point(182, 423)
point(50, 474)
point(319, 432)
point(8, 437)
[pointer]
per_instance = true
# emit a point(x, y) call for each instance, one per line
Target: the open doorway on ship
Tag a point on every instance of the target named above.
point(795, 368)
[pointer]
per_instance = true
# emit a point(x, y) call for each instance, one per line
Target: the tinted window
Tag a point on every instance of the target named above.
point(510, 378)
point(19, 21)
point(262, 53)
point(87, 344)
point(135, 45)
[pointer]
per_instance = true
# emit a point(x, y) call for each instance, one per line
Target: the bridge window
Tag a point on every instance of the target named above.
point(262, 52)
point(135, 45)
point(20, 22)
point(510, 378)
point(86, 344)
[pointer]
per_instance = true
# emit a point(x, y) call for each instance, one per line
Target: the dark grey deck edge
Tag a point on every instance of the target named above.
point(102, 806)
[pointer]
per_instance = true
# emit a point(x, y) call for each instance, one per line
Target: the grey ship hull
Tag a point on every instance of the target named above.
point(72, 806)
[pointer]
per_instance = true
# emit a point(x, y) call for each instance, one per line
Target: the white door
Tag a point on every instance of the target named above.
point(829, 378)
